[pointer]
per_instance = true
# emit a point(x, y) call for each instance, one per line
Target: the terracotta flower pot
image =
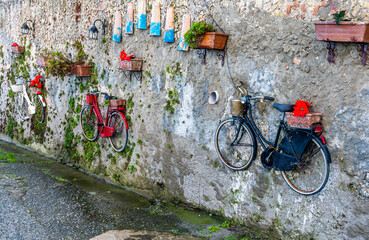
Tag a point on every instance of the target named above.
point(81, 70)
point(343, 32)
point(303, 122)
point(213, 40)
point(18, 49)
point(132, 65)
point(118, 103)
point(42, 62)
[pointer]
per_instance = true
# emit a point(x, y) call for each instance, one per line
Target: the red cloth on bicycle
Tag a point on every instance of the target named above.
point(301, 108)
point(123, 56)
point(15, 45)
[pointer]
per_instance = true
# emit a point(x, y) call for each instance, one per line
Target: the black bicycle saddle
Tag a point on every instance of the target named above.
point(283, 107)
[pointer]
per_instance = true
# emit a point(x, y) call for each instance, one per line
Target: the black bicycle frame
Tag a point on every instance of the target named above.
point(256, 131)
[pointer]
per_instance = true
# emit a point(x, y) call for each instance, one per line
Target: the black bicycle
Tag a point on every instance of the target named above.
point(299, 153)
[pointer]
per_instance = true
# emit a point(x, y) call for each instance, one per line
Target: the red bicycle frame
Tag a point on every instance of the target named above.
point(104, 130)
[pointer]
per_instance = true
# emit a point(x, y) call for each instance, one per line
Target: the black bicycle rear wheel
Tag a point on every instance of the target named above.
point(311, 175)
point(236, 149)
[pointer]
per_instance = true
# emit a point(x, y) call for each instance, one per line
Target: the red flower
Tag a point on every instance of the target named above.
point(301, 108)
point(15, 45)
point(36, 82)
point(123, 56)
point(38, 77)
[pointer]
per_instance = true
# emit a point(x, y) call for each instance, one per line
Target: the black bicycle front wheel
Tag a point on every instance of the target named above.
point(235, 144)
point(88, 120)
point(311, 175)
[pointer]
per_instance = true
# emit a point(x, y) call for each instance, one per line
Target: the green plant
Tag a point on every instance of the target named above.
point(59, 65)
point(340, 16)
point(193, 35)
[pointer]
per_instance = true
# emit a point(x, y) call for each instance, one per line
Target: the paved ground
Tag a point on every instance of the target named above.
point(41, 199)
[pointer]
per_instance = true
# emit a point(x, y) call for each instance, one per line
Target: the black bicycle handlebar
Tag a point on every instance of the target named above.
point(269, 98)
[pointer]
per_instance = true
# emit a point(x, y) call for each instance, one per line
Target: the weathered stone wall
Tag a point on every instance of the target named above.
point(272, 48)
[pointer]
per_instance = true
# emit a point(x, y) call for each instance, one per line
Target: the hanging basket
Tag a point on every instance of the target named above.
point(343, 32)
point(42, 62)
point(132, 65)
point(18, 49)
point(303, 122)
point(213, 40)
point(236, 107)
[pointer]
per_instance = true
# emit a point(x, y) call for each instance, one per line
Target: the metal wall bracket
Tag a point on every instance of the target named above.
point(202, 55)
point(221, 56)
point(203, 52)
point(363, 52)
point(132, 73)
point(331, 54)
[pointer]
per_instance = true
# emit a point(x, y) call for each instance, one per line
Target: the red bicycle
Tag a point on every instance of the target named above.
point(115, 126)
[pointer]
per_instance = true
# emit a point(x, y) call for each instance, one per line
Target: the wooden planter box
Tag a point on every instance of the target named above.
point(303, 122)
point(213, 40)
point(132, 65)
point(343, 32)
point(18, 49)
point(118, 103)
point(42, 62)
point(81, 70)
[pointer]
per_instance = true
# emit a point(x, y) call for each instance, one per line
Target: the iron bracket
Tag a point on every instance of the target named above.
point(363, 52)
point(331, 54)
point(221, 55)
point(132, 73)
point(203, 52)
point(202, 55)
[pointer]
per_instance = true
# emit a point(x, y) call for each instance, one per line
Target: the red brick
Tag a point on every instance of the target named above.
point(303, 7)
point(316, 9)
point(288, 10)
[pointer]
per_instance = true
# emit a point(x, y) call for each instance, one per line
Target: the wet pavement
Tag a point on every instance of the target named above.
point(42, 199)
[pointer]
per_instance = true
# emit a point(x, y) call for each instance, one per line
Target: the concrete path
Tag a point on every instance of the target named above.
point(41, 199)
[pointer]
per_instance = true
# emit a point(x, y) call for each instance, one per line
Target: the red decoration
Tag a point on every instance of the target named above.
point(15, 45)
point(301, 108)
point(36, 82)
point(123, 56)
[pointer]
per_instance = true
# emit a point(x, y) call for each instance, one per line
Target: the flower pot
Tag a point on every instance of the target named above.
point(212, 40)
point(42, 62)
point(18, 49)
point(343, 32)
point(118, 103)
point(132, 65)
point(303, 122)
point(82, 70)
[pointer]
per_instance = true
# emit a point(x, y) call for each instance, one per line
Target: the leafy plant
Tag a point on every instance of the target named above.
point(340, 16)
point(59, 64)
point(193, 35)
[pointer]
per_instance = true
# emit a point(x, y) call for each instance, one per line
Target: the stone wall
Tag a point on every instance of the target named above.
point(272, 48)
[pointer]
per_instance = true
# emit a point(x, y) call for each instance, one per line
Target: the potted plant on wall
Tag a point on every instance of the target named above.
point(343, 30)
point(202, 35)
point(130, 63)
point(17, 49)
point(79, 68)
